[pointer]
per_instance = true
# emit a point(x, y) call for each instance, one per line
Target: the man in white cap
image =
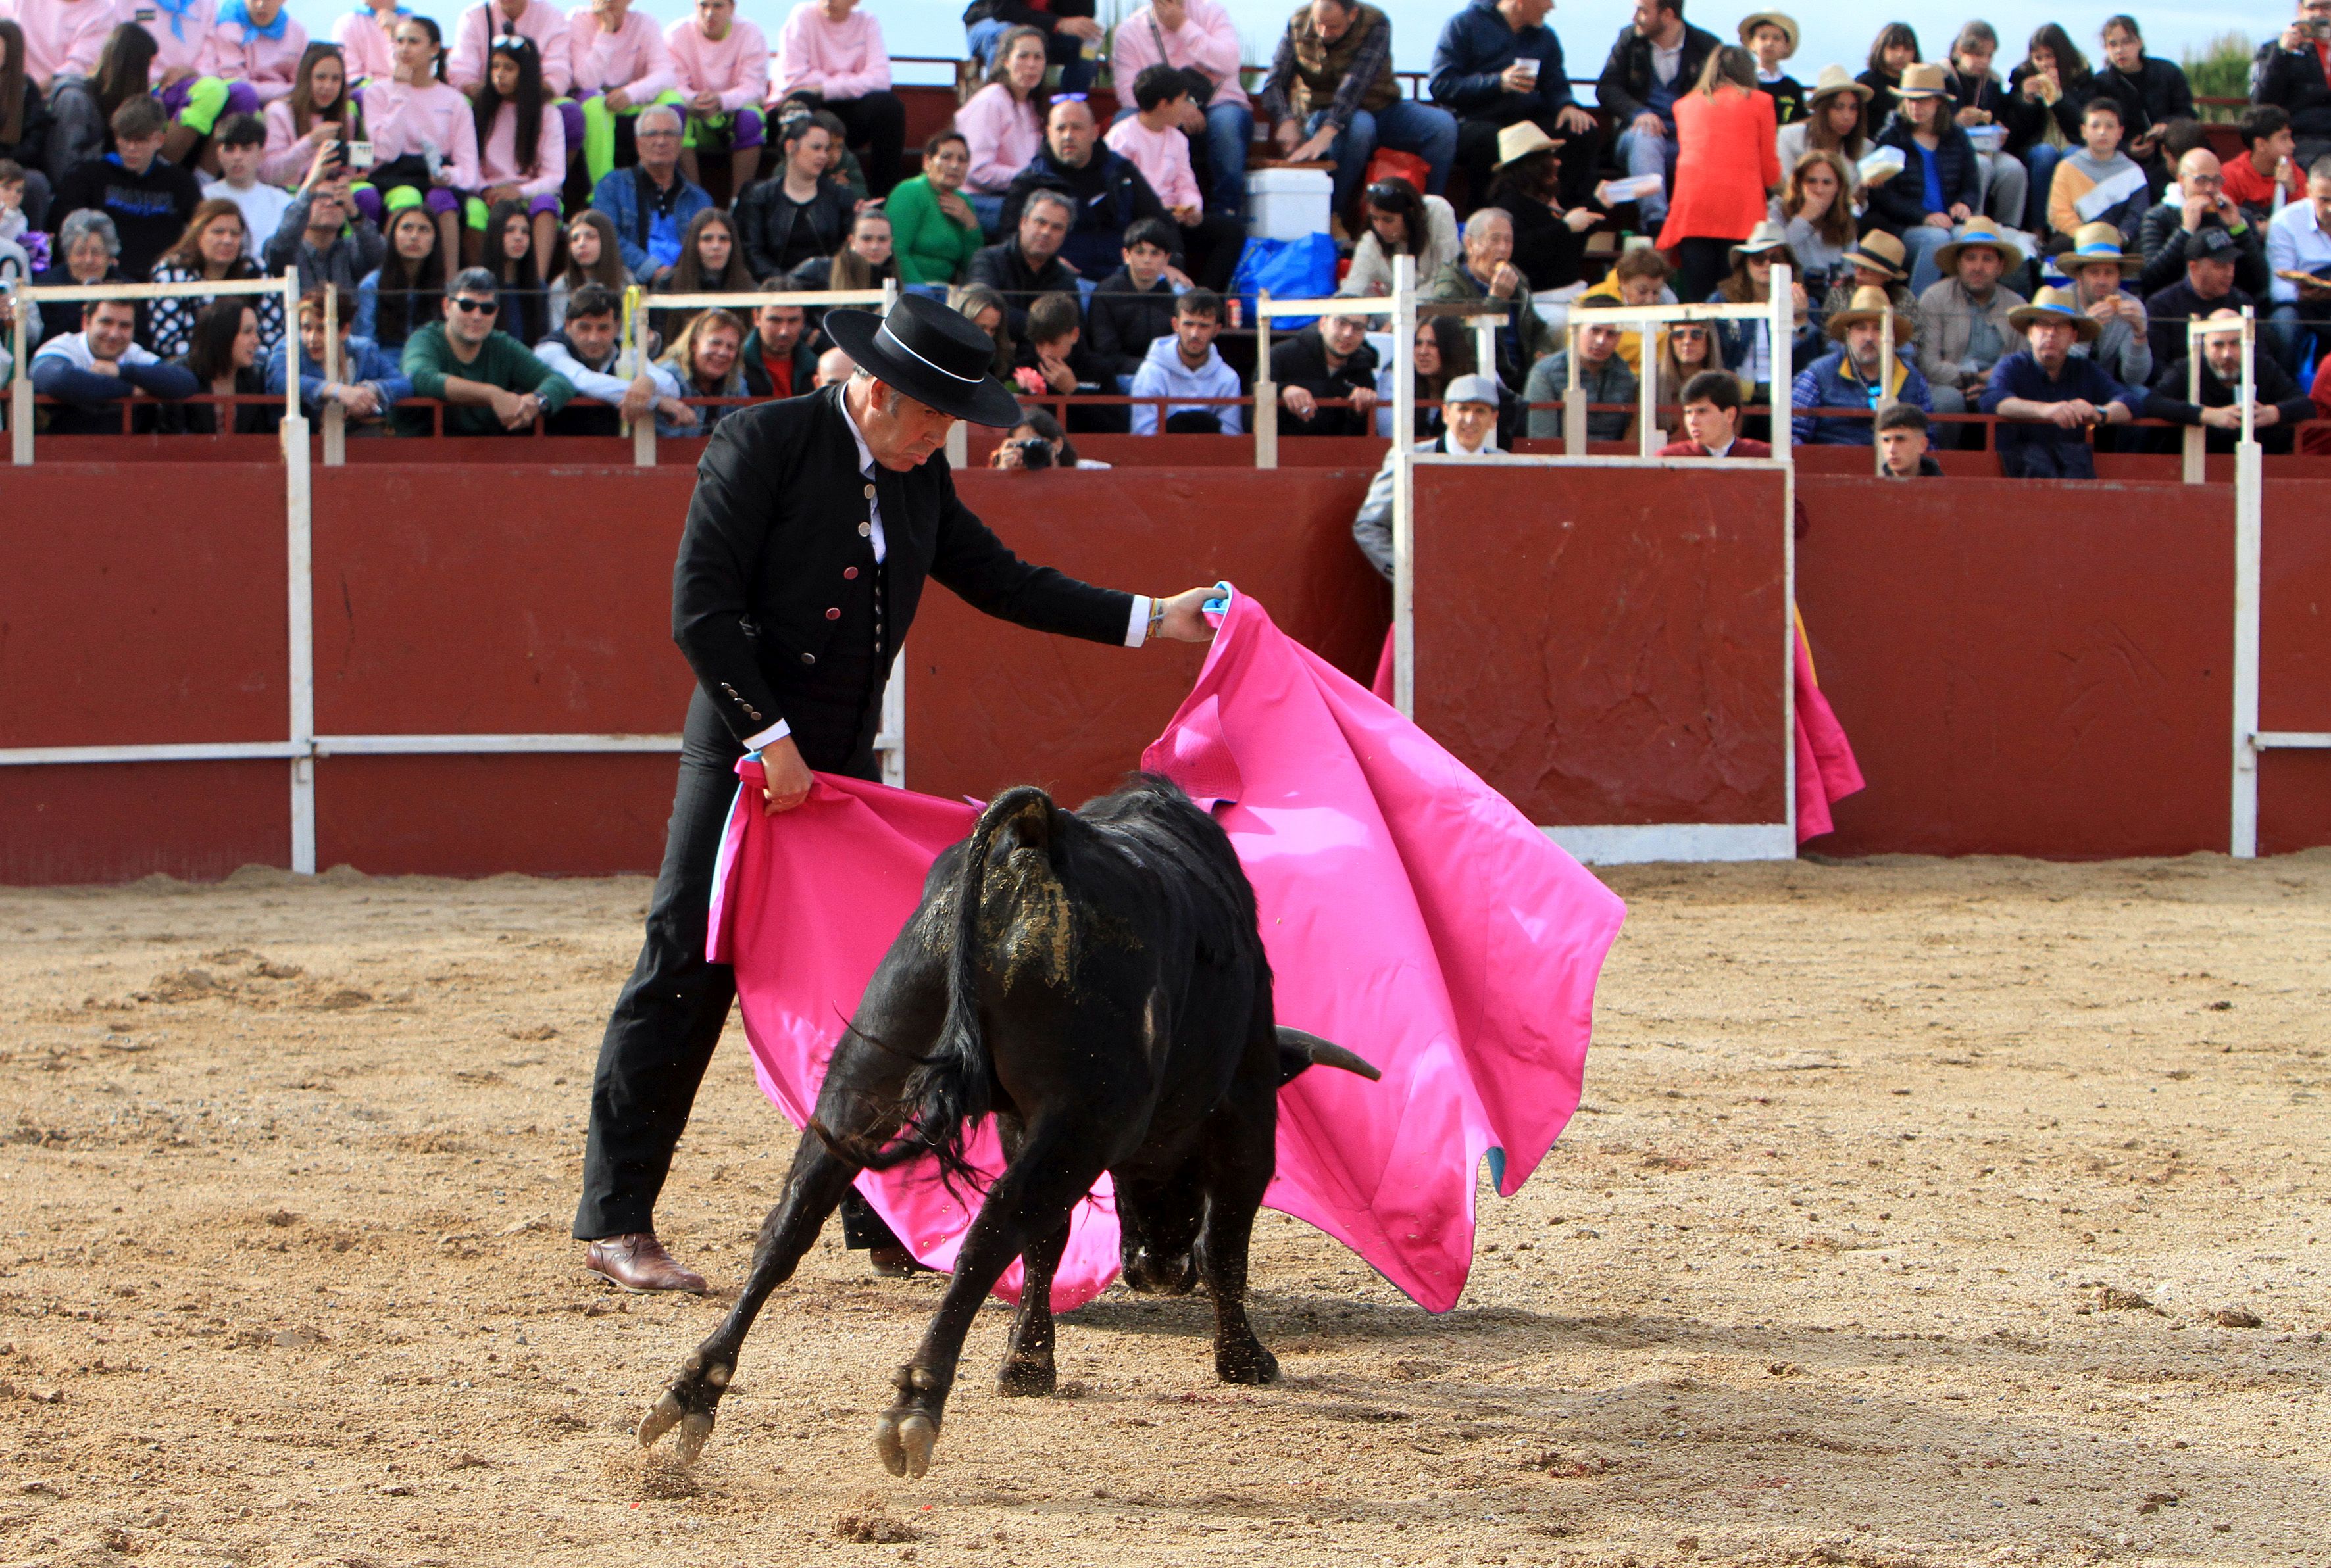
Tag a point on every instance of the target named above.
point(1469, 412)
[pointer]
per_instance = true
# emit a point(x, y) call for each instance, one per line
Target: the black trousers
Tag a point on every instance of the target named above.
point(661, 1036)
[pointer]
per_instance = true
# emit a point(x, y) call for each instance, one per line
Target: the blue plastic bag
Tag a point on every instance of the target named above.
point(1302, 269)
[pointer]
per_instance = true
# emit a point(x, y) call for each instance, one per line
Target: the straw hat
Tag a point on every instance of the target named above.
point(2054, 305)
point(1869, 305)
point(1832, 81)
point(1924, 80)
point(1787, 25)
point(1979, 231)
point(1521, 139)
point(2093, 243)
point(1767, 235)
point(1881, 251)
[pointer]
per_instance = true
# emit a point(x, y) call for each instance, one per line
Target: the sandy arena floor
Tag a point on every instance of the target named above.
point(1920, 1213)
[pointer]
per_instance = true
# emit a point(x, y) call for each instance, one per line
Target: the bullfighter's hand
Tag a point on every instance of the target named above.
point(786, 781)
point(1186, 619)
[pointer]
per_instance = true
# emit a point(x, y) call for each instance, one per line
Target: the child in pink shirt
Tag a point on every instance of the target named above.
point(723, 67)
point(413, 114)
point(1153, 140)
point(481, 24)
point(259, 44)
point(506, 171)
point(832, 52)
point(363, 35)
point(298, 122)
point(622, 65)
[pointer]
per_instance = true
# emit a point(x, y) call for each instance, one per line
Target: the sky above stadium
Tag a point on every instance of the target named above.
point(1834, 30)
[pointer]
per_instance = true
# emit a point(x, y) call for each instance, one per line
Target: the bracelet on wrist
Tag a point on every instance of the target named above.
point(1157, 617)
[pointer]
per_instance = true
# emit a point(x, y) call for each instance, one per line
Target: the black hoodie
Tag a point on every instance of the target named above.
point(150, 211)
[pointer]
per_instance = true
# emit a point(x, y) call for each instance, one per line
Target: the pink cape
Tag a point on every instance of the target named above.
point(1826, 771)
point(1410, 914)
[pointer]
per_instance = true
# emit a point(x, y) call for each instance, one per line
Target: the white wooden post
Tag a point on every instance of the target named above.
point(1266, 392)
point(2249, 515)
point(20, 394)
point(643, 432)
point(2197, 436)
point(1574, 396)
point(1404, 484)
point(335, 417)
point(1647, 399)
point(1884, 399)
point(1784, 375)
point(1783, 328)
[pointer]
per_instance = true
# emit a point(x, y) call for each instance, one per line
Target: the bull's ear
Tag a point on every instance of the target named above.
point(1298, 1050)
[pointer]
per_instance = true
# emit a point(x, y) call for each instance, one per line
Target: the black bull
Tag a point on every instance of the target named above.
point(1096, 980)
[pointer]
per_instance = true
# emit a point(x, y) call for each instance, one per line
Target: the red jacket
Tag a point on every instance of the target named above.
point(1741, 447)
point(1726, 160)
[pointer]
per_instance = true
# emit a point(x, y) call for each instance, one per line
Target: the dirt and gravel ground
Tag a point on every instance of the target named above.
point(1920, 1213)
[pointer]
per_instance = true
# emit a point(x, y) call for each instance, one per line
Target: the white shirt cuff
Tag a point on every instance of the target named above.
point(1136, 629)
point(776, 731)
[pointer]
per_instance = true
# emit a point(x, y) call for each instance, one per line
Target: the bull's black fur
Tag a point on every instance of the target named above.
point(1097, 980)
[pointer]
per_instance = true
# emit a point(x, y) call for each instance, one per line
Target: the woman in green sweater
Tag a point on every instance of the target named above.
point(933, 227)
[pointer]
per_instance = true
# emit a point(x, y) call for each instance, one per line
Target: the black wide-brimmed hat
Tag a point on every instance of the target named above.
point(930, 353)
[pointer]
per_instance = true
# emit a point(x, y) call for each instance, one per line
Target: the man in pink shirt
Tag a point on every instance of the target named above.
point(62, 39)
point(1196, 34)
point(622, 65)
point(1155, 141)
point(723, 66)
point(831, 55)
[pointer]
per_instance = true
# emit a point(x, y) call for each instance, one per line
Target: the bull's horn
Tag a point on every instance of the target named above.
point(1321, 1052)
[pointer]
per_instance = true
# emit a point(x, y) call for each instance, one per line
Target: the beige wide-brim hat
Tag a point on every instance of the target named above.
point(1766, 236)
point(2096, 243)
point(1881, 251)
point(2055, 304)
point(1869, 305)
point(1521, 139)
point(1983, 231)
point(1788, 24)
point(1924, 80)
point(1832, 81)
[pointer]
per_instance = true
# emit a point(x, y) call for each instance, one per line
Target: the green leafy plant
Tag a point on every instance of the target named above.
point(2221, 70)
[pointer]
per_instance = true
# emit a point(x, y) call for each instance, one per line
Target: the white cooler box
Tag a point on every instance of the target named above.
point(1288, 204)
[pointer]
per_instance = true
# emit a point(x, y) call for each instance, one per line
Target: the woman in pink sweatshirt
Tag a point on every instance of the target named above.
point(259, 44)
point(622, 65)
point(364, 35)
point(318, 108)
point(1004, 121)
point(522, 145)
point(723, 66)
point(425, 134)
point(832, 53)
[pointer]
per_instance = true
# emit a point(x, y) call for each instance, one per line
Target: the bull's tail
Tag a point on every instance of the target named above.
point(948, 1090)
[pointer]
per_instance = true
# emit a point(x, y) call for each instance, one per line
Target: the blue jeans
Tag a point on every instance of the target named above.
point(1065, 49)
point(1645, 155)
point(1921, 241)
point(2041, 160)
point(1230, 127)
point(1403, 125)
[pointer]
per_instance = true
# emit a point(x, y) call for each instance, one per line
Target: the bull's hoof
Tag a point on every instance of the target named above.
point(1026, 1376)
point(906, 1442)
point(689, 1404)
point(1152, 1275)
point(661, 1417)
point(695, 1430)
point(1247, 1363)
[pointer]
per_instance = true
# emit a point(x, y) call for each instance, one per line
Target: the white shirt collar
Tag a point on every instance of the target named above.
point(1727, 446)
point(865, 453)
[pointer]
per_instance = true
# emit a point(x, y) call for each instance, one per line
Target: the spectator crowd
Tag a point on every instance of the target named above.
point(480, 215)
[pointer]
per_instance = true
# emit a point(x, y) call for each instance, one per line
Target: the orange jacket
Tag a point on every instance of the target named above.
point(1726, 160)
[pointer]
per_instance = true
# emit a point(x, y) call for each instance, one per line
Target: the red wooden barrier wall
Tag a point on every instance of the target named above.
point(2027, 668)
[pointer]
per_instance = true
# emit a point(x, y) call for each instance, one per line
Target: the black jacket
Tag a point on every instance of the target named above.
point(2168, 312)
point(1626, 80)
point(1976, 92)
point(2026, 120)
point(779, 515)
point(1018, 14)
point(2157, 94)
point(1122, 321)
point(242, 418)
point(2161, 239)
point(31, 148)
point(1882, 101)
point(1302, 361)
point(1109, 194)
point(780, 235)
point(1006, 270)
point(2295, 82)
point(1900, 203)
point(2275, 386)
point(757, 373)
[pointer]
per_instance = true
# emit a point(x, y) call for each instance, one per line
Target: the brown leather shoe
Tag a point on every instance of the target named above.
point(893, 1262)
point(638, 1261)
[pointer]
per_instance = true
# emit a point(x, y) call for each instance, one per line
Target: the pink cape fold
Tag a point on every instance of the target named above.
point(1410, 913)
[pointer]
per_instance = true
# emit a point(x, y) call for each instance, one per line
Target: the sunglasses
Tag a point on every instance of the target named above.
point(1068, 97)
point(477, 307)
